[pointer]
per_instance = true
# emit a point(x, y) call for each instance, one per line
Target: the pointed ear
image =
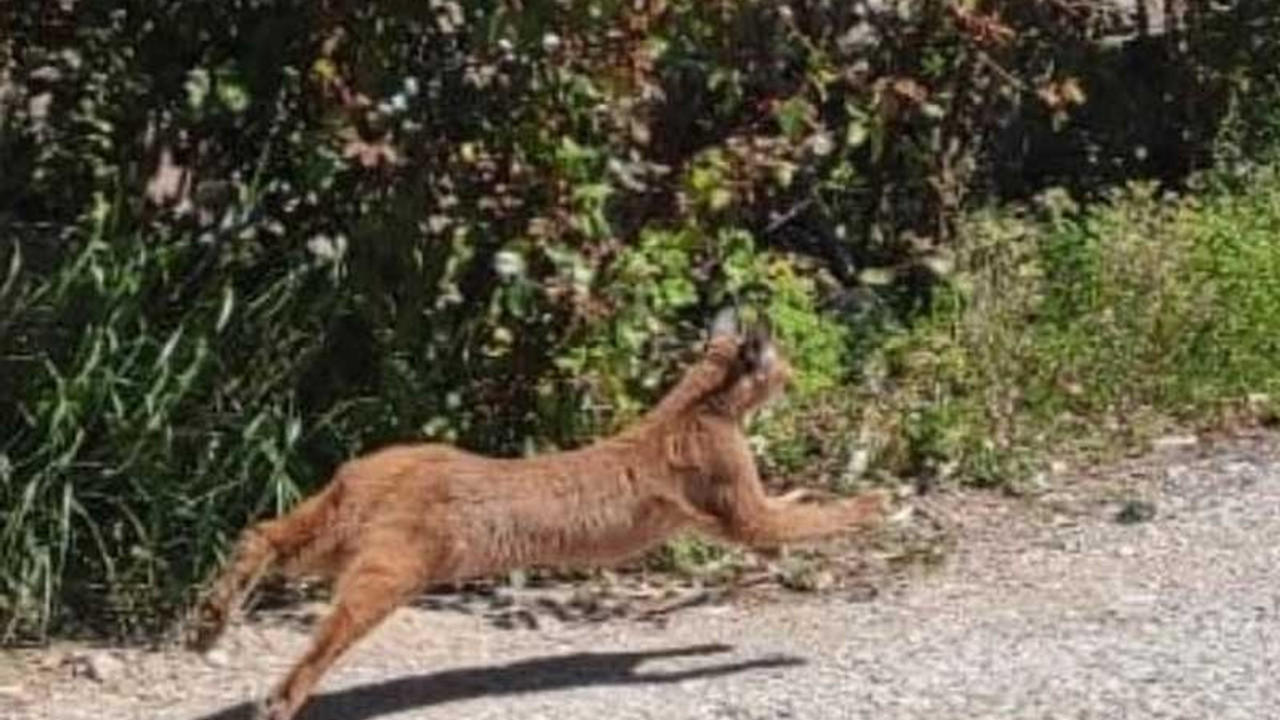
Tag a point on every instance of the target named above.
point(725, 323)
point(758, 352)
point(764, 326)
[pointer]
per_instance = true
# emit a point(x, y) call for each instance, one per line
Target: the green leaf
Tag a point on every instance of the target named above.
point(793, 117)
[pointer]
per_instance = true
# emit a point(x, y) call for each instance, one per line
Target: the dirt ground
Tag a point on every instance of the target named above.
point(1146, 589)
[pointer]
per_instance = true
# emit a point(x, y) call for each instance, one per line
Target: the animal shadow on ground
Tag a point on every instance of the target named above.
point(527, 609)
point(543, 674)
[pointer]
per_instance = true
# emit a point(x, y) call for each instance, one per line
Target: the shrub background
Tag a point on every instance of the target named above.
point(243, 240)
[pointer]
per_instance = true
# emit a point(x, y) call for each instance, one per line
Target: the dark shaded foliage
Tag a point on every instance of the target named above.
point(241, 240)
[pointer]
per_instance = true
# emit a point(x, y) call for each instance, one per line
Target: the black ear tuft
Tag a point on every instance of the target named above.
point(757, 349)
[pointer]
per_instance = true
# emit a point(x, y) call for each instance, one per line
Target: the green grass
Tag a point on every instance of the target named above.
point(147, 431)
point(1085, 329)
point(134, 455)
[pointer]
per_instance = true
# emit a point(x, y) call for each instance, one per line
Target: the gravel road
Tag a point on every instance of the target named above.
point(1046, 609)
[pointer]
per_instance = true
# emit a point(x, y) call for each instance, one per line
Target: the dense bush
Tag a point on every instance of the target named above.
point(243, 240)
point(1088, 328)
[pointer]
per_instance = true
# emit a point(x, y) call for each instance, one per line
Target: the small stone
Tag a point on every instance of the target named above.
point(1039, 483)
point(902, 517)
point(823, 580)
point(217, 658)
point(1175, 442)
point(1136, 511)
point(805, 578)
point(98, 666)
point(864, 592)
point(859, 462)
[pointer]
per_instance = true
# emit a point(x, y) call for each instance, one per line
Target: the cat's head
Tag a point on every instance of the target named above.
point(759, 371)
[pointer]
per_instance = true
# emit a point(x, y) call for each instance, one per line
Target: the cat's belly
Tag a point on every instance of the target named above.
point(602, 535)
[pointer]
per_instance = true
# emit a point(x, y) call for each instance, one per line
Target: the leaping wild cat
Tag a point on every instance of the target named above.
point(397, 520)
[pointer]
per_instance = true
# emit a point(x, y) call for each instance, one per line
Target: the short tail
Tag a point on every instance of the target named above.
point(296, 542)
